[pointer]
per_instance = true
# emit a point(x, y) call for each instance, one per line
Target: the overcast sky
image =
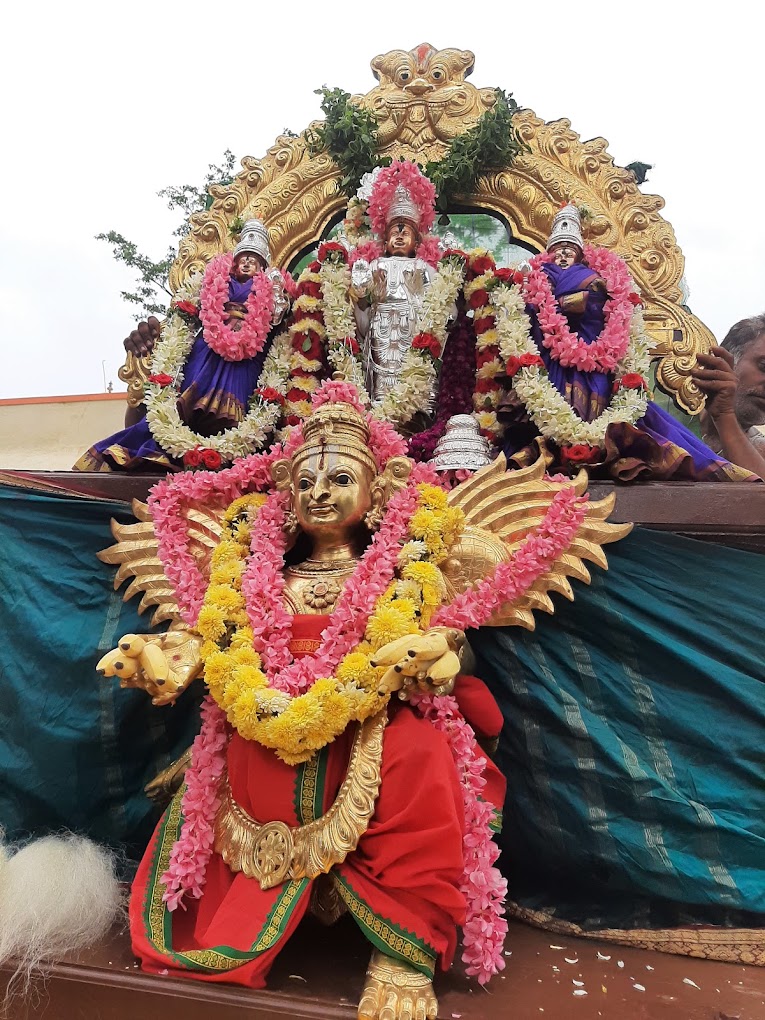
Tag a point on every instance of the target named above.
point(104, 104)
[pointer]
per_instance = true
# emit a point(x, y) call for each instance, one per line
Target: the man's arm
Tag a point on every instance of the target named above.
point(716, 377)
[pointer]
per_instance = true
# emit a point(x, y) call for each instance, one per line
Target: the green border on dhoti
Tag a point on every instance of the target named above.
point(384, 934)
point(158, 920)
point(309, 787)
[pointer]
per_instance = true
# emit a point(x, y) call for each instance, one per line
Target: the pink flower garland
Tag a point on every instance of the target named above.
point(263, 583)
point(536, 553)
point(168, 500)
point(603, 354)
point(369, 251)
point(250, 340)
point(421, 190)
point(482, 885)
point(186, 871)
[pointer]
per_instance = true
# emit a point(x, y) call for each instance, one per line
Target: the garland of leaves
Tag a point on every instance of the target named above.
point(349, 136)
point(492, 144)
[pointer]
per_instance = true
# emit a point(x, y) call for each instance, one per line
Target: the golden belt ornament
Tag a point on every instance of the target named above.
point(272, 852)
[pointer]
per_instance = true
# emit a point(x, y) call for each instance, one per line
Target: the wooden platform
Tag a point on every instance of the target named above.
point(321, 972)
point(725, 512)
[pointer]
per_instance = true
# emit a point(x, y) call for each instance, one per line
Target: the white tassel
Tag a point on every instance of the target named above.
point(57, 895)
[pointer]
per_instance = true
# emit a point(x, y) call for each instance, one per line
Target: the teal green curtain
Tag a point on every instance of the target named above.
point(634, 740)
point(75, 750)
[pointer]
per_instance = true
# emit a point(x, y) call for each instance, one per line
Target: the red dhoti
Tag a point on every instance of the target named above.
point(401, 883)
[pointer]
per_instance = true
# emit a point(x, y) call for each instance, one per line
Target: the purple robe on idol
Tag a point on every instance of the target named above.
point(657, 446)
point(214, 397)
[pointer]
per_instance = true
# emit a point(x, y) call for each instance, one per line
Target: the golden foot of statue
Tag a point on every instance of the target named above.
point(396, 991)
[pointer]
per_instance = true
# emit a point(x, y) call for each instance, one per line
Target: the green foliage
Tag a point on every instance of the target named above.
point(190, 198)
point(348, 135)
point(151, 281)
point(492, 144)
point(150, 291)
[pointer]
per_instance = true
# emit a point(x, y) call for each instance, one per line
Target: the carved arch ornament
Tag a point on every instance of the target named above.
point(422, 101)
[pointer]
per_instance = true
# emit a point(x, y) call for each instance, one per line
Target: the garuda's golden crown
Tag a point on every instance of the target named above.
point(338, 427)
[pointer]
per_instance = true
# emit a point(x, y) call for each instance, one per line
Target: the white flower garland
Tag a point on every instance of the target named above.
point(340, 324)
point(417, 376)
point(548, 409)
point(167, 428)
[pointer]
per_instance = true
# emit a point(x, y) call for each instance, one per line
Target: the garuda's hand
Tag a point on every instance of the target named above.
point(421, 662)
point(163, 665)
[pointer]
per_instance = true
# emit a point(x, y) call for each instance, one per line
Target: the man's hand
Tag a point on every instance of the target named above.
point(716, 377)
point(141, 341)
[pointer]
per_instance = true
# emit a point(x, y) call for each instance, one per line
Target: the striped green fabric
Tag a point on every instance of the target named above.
point(634, 740)
point(75, 750)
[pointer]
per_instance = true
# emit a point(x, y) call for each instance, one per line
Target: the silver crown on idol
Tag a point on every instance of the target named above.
point(566, 227)
point(254, 238)
point(461, 446)
point(402, 207)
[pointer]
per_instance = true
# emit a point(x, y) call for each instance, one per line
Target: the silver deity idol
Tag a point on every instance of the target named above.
point(461, 447)
point(388, 324)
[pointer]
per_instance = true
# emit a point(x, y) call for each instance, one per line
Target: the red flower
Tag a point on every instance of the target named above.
point(427, 342)
point(186, 306)
point(530, 360)
point(192, 458)
point(484, 324)
point(518, 277)
point(314, 315)
point(579, 453)
point(211, 459)
point(308, 344)
point(513, 365)
point(482, 264)
point(269, 393)
point(479, 298)
point(161, 379)
point(333, 251)
point(630, 381)
point(485, 356)
point(456, 253)
point(311, 288)
point(293, 419)
point(294, 394)
point(485, 386)
point(352, 344)
point(635, 298)
point(504, 275)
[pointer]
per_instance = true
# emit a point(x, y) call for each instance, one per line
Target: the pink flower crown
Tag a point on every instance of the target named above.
point(421, 190)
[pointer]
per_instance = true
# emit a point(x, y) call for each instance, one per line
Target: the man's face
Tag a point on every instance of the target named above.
point(400, 238)
point(246, 265)
point(750, 394)
point(565, 254)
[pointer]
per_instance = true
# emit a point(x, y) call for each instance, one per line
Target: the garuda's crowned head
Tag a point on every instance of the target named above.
point(336, 481)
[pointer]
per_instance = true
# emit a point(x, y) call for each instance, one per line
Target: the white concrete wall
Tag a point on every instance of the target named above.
point(50, 433)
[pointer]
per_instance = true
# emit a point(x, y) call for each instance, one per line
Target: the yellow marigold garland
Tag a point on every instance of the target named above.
point(296, 727)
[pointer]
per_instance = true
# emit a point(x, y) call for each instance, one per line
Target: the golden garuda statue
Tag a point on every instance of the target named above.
point(322, 591)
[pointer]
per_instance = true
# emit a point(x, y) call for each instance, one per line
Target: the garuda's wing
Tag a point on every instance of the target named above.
point(136, 556)
point(501, 507)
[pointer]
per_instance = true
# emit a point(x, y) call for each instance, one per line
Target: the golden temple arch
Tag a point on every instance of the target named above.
point(422, 101)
